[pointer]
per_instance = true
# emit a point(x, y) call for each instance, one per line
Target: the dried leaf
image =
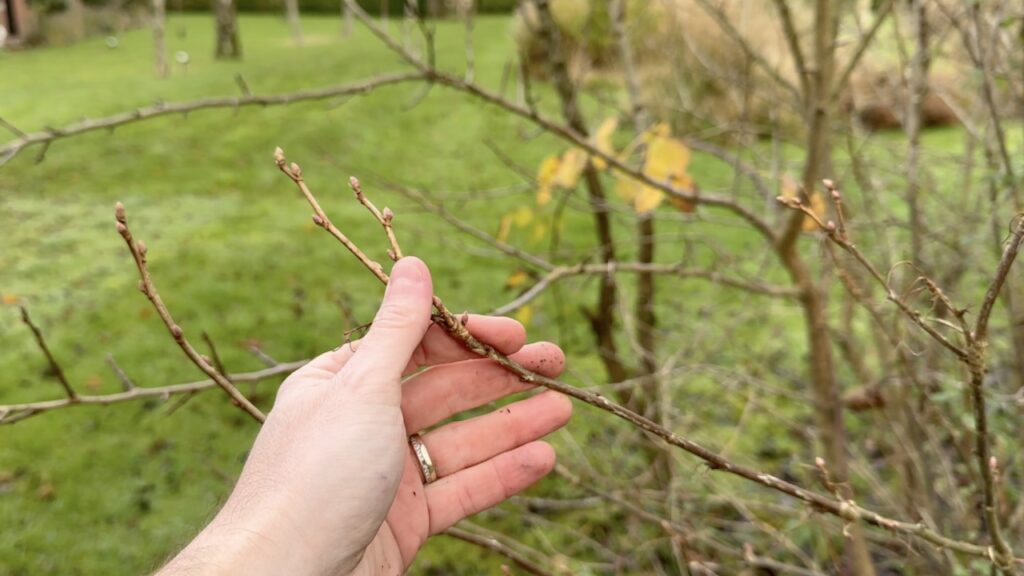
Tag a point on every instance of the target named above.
point(684, 182)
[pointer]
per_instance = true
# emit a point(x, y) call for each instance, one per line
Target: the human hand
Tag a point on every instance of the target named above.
point(332, 487)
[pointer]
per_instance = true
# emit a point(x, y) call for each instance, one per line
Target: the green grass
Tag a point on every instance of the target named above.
point(117, 490)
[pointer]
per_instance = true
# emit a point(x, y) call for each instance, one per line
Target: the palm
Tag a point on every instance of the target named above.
point(480, 461)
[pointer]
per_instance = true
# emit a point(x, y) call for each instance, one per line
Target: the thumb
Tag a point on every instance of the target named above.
point(399, 326)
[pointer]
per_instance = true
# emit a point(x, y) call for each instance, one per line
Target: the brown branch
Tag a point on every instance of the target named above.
point(498, 547)
point(566, 133)
point(384, 218)
point(983, 443)
point(832, 232)
point(45, 137)
point(793, 40)
point(147, 287)
point(846, 510)
point(862, 46)
point(126, 382)
point(55, 368)
point(751, 53)
point(11, 413)
point(1002, 271)
point(678, 270)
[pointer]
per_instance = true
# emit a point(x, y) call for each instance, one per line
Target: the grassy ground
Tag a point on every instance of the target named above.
point(116, 490)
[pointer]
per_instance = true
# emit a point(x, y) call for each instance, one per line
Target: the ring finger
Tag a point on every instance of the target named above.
point(460, 445)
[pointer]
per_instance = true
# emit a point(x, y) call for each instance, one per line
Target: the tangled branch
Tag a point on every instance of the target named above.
point(845, 509)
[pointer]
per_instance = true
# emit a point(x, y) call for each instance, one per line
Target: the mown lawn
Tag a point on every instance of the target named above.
point(116, 490)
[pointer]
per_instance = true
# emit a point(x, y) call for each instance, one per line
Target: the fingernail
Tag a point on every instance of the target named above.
point(406, 273)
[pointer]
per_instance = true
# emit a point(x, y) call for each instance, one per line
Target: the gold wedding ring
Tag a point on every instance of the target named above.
point(426, 464)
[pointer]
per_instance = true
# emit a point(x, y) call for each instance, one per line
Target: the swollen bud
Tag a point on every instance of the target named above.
point(830, 226)
point(119, 212)
point(819, 462)
point(176, 331)
point(142, 287)
point(295, 170)
point(318, 220)
point(353, 183)
point(142, 248)
point(121, 228)
point(279, 156)
point(829, 184)
point(388, 215)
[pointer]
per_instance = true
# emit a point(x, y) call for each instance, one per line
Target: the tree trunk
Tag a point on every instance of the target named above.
point(228, 45)
point(291, 11)
point(159, 45)
point(917, 88)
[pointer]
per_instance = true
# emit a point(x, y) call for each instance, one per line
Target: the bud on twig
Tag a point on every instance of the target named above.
point(176, 331)
point(829, 184)
point(142, 248)
point(142, 288)
point(830, 226)
point(119, 213)
point(295, 170)
point(279, 156)
point(318, 220)
point(353, 183)
point(388, 215)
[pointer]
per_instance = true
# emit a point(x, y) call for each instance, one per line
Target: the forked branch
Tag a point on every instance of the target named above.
point(147, 287)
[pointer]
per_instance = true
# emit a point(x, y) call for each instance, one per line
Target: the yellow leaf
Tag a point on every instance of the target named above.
point(626, 188)
point(10, 299)
point(545, 179)
point(543, 195)
point(540, 230)
point(522, 216)
point(504, 228)
point(666, 158)
point(572, 164)
point(817, 205)
point(603, 141)
point(516, 279)
point(525, 315)
point(648, 199)
point(640, 197)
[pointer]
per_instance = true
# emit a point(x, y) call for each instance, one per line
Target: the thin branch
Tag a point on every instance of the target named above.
point(753, 54)
point(49, 135)
point(1002, 271)
point(862, 46)
point(678, 270)
point(126, 382)
point(832, 232)
point(12, 413)
point(55, 368)
point(455, 328)
point(498, 547)
point(384, 218)
point(147, 287)
point(557, 129)
point(12, 128)
point(983, 444)
point(793, 40)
